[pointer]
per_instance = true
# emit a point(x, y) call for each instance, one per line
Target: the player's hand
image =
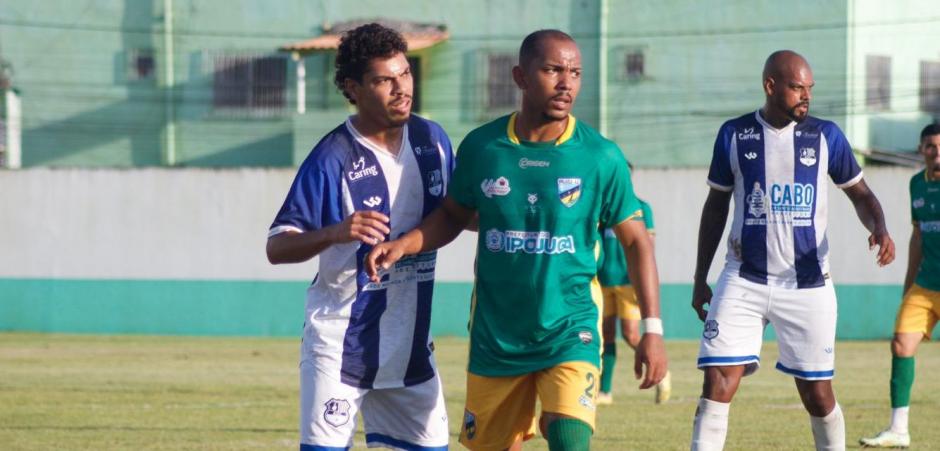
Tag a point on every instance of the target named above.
point(382, 257)
point(885, 246)
point(367, 226)
point(651, 354)
point(701, 296)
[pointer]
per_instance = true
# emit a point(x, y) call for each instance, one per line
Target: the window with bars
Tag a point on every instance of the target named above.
point(501, 91)
point(634, 64)
point(140, 64)
point(249, 83)
point(930, 86)
point(878, 82)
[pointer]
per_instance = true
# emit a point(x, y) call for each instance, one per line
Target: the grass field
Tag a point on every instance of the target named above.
point(142, 392)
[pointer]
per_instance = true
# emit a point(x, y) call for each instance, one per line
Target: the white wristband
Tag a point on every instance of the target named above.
point(652, 326)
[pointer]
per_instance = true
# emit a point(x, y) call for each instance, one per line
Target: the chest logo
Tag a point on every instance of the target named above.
point(372, 202)
point(919, 202)
point(748, 134)
point(527, 163)
point(808, 156)
point(360, 170)
point(750, 155)
point(756, 201)
point(498, 187)
point(569, 191)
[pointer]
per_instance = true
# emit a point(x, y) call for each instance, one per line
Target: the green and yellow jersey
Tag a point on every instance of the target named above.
point(925, 214)
point(540, 207)
point(612, 266)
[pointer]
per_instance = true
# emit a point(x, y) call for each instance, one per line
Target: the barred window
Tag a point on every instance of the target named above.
point(501, 90)
point(878, 82)
point(634, 64)
point(140, 64)
point(249, 82)
point(930, 86)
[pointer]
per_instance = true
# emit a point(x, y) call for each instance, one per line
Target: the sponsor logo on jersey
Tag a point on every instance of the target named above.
point(435, 183)
point(748, 134)
point(808, 156)
point(533, 199)
point(750, 155)
point(796, 199)
point(513, 241)
point(424, 150)
point(569, 190)
point(807, 134)
point(336, 412)
point(756, 205)
point(527, 163)
point(586, 336)
point(930, 226)
point(498, 187)
point(469, 424)
point(361, 171)
point(711, 329)
point(919, 202)
point(372, 202)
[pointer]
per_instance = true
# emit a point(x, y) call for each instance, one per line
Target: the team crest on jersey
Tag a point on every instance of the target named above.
point(919, 202)
point(498, 187)
point(756, 203)
point(711, 329)
point(469, 424)
point(808, 156)
point(435, 183)
point(336, 412)
point(586, 336)
point(569, 191)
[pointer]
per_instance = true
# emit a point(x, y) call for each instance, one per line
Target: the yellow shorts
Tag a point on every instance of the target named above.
point(919, 311)
point(501, 410)
point(621, 301)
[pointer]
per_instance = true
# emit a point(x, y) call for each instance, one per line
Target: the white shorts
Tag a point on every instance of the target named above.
point(804, 320)
point(412, 418)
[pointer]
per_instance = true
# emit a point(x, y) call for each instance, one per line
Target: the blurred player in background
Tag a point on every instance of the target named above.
point(367, 346)
point(620, 301)
point(920, 307)
point(541, 182)
point(775, 163)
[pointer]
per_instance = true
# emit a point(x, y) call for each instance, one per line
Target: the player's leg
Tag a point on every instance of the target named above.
point(567, 393)
point(609, 334)
point(805, 322)
point(499, 412)
point(413, 417)
point(729, 350)
point(915, 321)
point(328, 408)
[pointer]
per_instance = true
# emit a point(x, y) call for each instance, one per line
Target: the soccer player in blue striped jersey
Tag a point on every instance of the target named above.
point(366, 345)
point(774, 163)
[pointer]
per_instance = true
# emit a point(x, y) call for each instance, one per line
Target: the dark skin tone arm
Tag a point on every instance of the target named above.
point(711, 226)
point(370, 227)
point(872, 216)
point(915, 256)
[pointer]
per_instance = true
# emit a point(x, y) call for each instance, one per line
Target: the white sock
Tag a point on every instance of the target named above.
point(710, 426)
point(899, 419)
point(829, 431)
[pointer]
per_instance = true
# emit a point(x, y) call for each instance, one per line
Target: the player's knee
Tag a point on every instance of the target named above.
point(817, 396)
point(721, 383)
point(903, 348)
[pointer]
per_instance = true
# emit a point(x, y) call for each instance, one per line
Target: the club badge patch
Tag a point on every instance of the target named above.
point(336, 412)
point(711, 329)
point(569, 191)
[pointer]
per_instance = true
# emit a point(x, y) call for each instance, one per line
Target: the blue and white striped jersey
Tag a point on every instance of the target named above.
point(373, 335)
point(778, 236)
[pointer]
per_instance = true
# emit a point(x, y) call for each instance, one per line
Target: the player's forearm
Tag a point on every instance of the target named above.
point(644, 277)
point(297, 247)
point(914, 257)
point(711, 226)
point(867, 207)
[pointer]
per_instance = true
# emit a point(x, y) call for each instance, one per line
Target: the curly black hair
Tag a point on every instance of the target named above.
point(359, 46)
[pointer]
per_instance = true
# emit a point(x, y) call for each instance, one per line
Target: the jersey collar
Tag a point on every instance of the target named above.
point(565, 136)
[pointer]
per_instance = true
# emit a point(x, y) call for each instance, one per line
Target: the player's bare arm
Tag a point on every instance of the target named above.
point(712, 225)
point(370, 227)
point(914, 256)
point(872, 216)
point(641, 262)
point(438, 229)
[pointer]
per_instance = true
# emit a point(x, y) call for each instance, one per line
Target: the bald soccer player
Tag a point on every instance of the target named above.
point(774, 163)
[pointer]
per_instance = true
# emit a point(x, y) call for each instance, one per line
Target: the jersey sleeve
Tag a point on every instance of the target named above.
point(843, 169)
point(648, 216)
point(720, 175)
point(461, 182)
point(313, 202)
point(619, 202)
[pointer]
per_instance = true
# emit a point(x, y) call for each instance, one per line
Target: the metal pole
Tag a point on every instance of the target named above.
point(169, 153)
point(602, 68)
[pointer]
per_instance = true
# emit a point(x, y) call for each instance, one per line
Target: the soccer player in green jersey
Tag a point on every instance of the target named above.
point(920, 307)
point(620, 301)
point(541, 184)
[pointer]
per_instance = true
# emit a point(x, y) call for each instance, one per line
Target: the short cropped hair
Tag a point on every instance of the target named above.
point(361, 45)
point(531, 45)
point(930, 130)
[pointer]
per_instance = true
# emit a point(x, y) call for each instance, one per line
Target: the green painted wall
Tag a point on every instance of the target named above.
point(175, 307)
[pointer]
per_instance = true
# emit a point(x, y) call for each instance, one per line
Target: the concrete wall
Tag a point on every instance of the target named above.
point(182, 251)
